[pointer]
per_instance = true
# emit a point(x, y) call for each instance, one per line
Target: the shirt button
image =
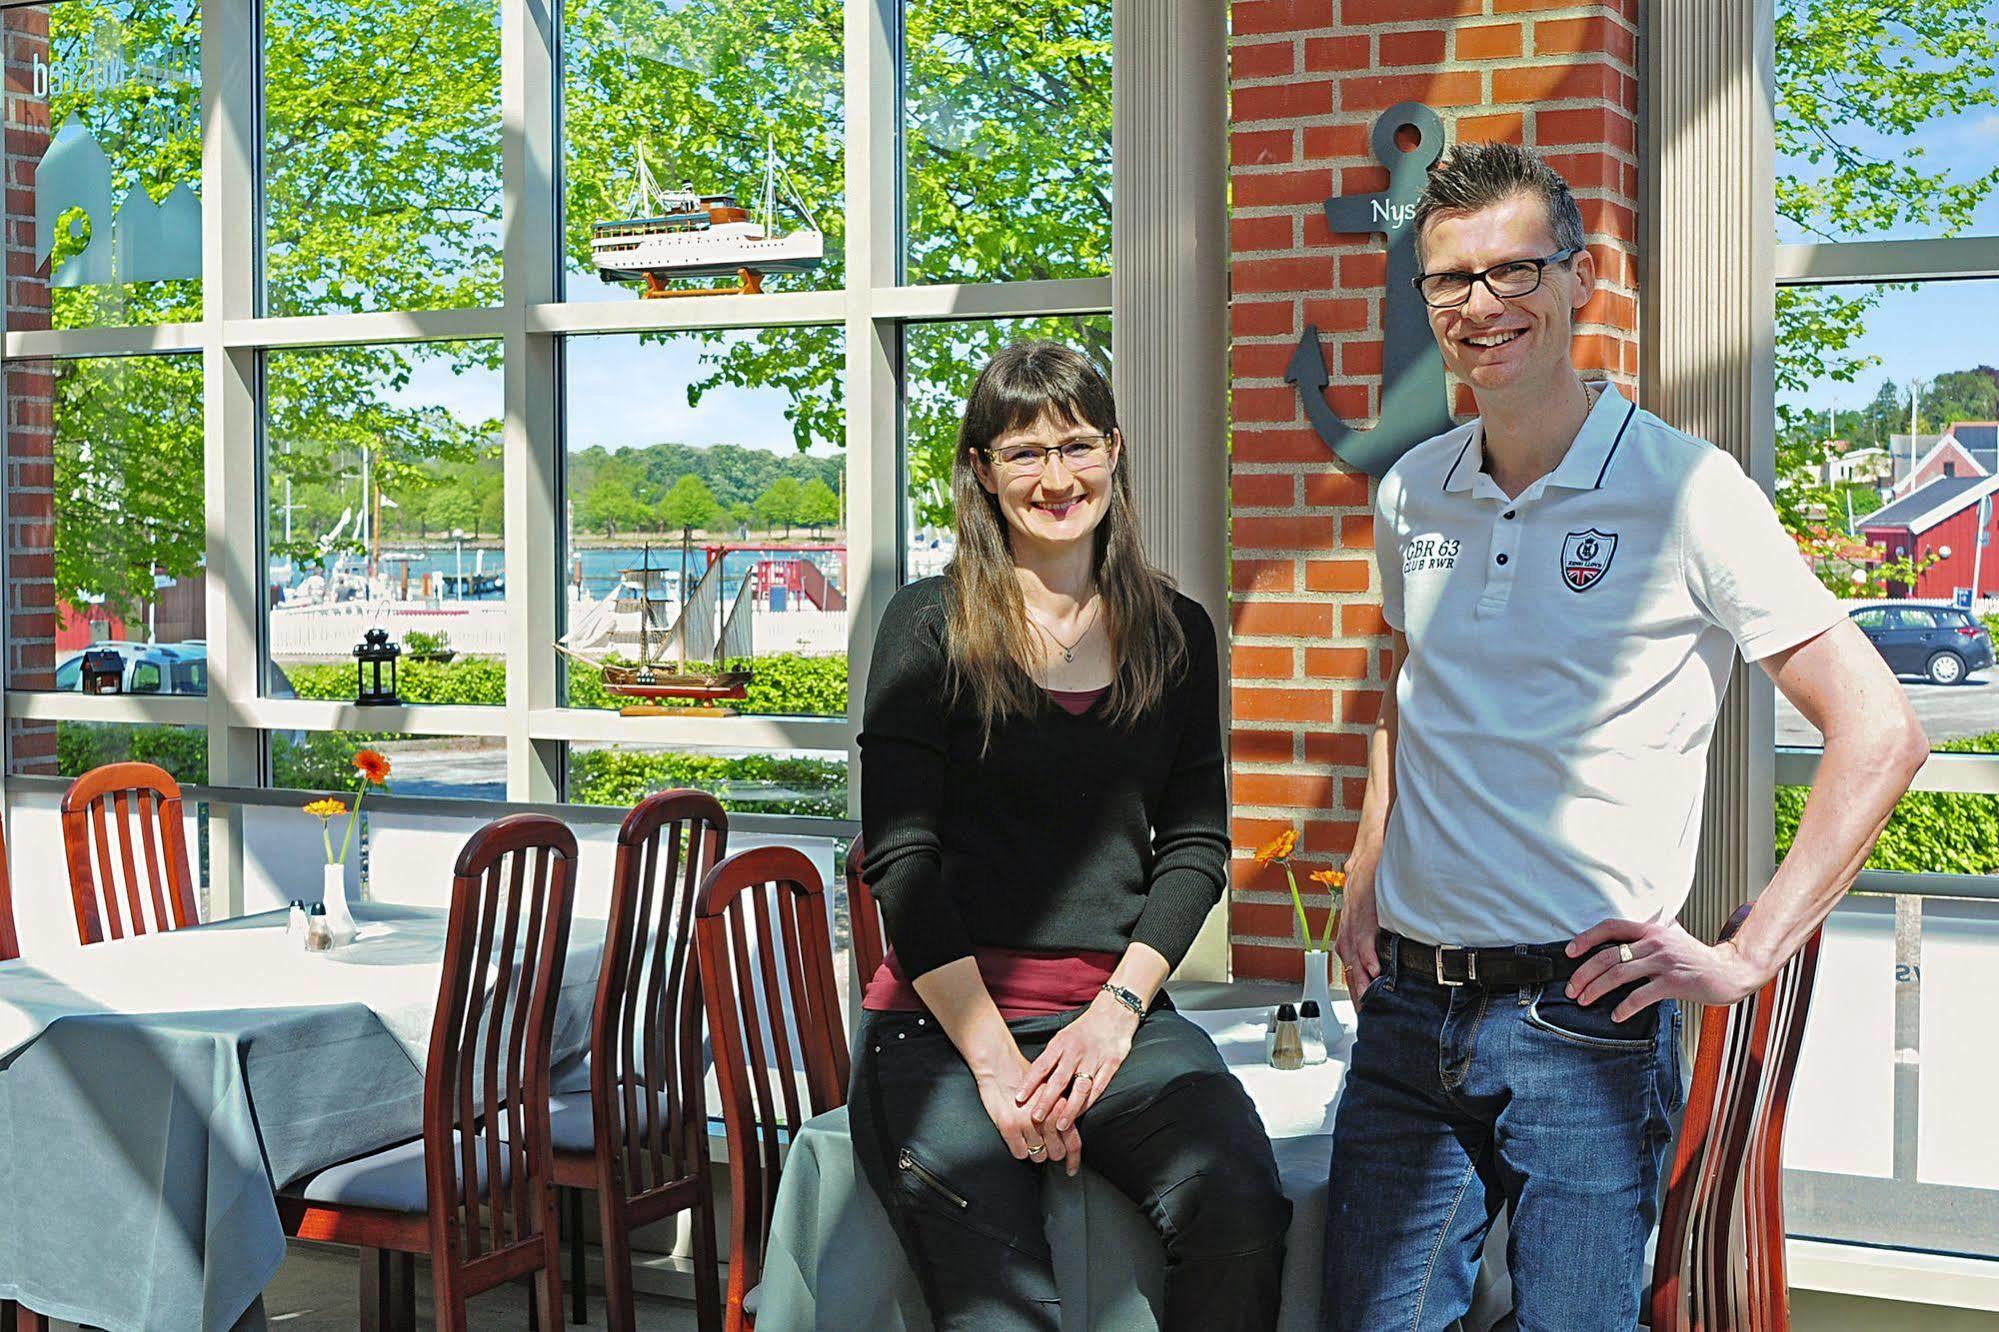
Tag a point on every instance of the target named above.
point(1507, 514)
point(1502, 559)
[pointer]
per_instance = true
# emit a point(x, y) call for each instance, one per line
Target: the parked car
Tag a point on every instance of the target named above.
point(1941, 642)
point(157, 668)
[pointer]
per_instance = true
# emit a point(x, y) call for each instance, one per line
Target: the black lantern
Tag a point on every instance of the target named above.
point(373, 652)
point(103, 671)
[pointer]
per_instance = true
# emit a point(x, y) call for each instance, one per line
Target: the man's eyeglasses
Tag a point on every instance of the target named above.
point(1081, 454)
point(1514, 278)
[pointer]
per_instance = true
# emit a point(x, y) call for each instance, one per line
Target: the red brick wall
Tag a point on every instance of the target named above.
point(30, 400)
point(1307, 79)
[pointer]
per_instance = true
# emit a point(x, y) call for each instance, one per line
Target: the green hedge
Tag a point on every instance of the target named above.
point(751, 783)
point(181, 750)
point(1930, 832)
point(784, 685)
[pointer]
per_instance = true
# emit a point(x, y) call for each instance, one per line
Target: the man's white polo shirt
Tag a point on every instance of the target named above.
point(1568, 652)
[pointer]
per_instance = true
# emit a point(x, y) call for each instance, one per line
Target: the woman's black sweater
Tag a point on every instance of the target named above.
point(1069, 834)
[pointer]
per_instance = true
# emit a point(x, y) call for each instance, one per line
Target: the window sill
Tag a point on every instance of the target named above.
point(1893, 1274)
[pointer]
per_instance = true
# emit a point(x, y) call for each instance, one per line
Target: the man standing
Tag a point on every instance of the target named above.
point(1568, 579)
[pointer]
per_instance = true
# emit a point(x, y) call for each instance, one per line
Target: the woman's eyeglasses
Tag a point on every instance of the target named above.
point(1081, 454)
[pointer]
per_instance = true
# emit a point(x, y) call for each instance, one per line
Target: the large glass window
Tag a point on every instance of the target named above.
point(670, 104)
point(385, 509)
point(381, 155)
point(107, 546)
point(1887, 455)
point(1007, 136)
point(103, 163)
point(706, 527)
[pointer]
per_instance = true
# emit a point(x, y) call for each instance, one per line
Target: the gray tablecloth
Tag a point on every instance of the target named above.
point(833, 1263)
point(139, 1150)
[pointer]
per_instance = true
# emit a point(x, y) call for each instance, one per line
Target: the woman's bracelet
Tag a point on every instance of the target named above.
point(1128, 998)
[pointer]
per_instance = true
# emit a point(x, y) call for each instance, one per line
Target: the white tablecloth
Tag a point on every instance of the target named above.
point(391, 967)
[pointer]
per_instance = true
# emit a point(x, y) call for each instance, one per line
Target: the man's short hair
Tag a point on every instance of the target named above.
point(1476, 176)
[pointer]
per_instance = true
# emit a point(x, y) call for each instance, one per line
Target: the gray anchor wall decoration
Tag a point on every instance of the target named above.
point(1413, 402)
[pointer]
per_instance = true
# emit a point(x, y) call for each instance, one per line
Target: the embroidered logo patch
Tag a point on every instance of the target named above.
point(1586, 558)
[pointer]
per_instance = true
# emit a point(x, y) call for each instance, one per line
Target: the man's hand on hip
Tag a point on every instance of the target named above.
point(1671, 963)
point(1358, 926)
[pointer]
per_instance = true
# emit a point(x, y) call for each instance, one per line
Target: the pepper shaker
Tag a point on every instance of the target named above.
point(318, 934)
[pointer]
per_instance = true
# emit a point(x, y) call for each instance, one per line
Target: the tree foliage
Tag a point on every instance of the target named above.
point(1856, 85)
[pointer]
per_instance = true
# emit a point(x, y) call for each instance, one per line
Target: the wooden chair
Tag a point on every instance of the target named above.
point(766, 962)
point(639, 1137)
point(143, 806)
point(864, 918)
point(1719, 1266)
point(10, 942)
point(13, 1317)
point(474, 1192)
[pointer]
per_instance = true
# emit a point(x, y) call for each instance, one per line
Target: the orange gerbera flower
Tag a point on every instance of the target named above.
point(373, 765)
point(1278, 849)
point(1332, 879)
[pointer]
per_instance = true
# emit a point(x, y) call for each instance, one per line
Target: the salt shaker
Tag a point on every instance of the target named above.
point(295, 922)
point(1288, 1051)
point(1312, 1032)
point(318, 934)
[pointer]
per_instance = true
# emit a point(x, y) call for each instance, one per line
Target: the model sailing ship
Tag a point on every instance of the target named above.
point(684, 234)
point(688, 659)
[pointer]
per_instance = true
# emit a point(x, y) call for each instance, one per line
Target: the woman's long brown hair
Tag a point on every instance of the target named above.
point(991, 648)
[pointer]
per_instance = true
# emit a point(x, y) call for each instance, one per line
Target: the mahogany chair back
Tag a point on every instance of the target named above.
point(10, 942)
point(646, 1065)
point(864, 917)
point(110, 816)
point(485, 1107)
point(1719, 1266)
point(766, 960)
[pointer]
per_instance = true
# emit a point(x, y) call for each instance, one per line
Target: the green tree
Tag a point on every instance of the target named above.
point(610, 505)
point(689, 505)
point(818, 506)
point(780, 504)
point(1855, 85)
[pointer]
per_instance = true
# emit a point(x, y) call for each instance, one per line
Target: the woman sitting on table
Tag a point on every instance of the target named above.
point(1046, 830)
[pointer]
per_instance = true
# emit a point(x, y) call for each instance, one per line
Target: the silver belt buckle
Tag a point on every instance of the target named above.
point(1471, 967)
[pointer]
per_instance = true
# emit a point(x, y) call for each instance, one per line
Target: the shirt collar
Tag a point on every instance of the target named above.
point(1583, 467)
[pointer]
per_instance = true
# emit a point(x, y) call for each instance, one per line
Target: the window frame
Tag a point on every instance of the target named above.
point(873, 307)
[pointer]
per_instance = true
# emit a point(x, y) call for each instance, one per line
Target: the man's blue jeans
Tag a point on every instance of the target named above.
point(1461, 1100)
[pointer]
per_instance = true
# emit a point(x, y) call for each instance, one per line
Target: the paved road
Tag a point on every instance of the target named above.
point(1947, 712)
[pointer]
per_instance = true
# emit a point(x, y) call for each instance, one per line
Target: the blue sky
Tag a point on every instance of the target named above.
point(622, 392)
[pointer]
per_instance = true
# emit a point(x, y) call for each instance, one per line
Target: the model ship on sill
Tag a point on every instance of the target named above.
point(680, 233)
point(682, 658)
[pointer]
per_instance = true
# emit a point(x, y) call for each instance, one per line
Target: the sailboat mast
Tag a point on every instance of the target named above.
point(645, 599)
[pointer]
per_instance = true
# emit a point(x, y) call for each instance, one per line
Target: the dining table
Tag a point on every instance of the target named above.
point(833, 1263)
point(156, 1091)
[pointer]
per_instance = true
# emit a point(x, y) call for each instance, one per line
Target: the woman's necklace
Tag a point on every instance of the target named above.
point(1069, 648)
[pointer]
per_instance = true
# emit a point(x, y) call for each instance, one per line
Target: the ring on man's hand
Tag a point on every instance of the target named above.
point(1624, 952)
point(1037, 1149)
point(1085, 1077)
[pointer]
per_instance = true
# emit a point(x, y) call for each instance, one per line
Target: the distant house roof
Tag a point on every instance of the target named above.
point(1942, 498)
point(1979, 438)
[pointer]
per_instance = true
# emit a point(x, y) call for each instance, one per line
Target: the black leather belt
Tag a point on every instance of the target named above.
point(1485, 968)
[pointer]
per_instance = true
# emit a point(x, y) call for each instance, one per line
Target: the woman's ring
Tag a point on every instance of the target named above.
point(1085, 1077)
point(1037, 1149)
point(1624, 952)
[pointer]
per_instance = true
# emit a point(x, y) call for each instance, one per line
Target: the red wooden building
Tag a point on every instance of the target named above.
point(1941, 521)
